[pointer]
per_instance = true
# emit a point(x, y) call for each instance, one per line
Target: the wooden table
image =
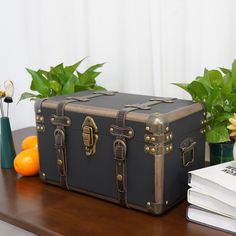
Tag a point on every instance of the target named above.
point(47, 210)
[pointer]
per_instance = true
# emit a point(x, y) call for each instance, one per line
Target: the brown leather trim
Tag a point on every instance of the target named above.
point(183, 112)
point(159, 178)
point(132, 116)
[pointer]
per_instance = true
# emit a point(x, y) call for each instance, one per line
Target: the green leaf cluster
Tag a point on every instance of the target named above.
point(60, 80)
point(216, 90)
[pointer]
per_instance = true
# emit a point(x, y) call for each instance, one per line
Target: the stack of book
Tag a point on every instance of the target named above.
point(213, 196)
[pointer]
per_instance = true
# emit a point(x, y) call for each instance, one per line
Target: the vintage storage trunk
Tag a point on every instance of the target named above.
point(129, 149)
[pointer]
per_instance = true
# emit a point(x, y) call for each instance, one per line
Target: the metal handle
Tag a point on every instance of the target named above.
point(187, 147)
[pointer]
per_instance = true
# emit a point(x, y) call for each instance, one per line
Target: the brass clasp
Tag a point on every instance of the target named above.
point(90, 135)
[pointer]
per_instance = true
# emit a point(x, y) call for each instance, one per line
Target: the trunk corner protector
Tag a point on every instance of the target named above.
point(156, 208)
point(157, 124)
point(158, 137)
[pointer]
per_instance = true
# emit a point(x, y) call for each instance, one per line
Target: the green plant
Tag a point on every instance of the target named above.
point(216, 90)
point(61, 80)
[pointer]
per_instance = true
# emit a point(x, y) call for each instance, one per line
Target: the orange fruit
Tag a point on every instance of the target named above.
point(26, 162)
point(29, 142)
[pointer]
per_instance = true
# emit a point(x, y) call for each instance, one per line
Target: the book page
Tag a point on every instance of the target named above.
point(222, 174)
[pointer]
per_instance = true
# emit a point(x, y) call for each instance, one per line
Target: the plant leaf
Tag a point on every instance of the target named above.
point(234, 69)
point(88, 77)
point(59, 68)
point(69, 87)
point(215, 78)
point(212, 99)
point(184, 86)
point(27, 95)
point(223, 117)
point(217, 135)
point(225, 70)
point(198, 91)
point(62, 80)
point(79, 88)
point(57, 73)
point(73, 67)
point(40, 84)
point(204, 80)
point(228, 85)
point(94, 67)
point(53, 84)
point(234, 74)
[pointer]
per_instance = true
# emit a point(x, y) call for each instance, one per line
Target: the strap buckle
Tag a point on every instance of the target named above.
point(59, 138)
point(119, 147)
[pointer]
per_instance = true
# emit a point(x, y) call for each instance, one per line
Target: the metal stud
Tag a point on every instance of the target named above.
point(167, 202)
point(52, 118)
point(119, 177)
point(41, 118)
point(167, 137)
point(167, 128)
point(148, 203)
point(171, 147)
point(203, 131)
point(43, 174)
point(68, 122)
point(147, 128)
point(111, 130)
point(153, 150)
point(202, 122)
point(147, 148)
point(147, 138)
point(39, 111)
point(204, 113)
point(171, 136)
point(59, 162)
point(205, 121)
point(167, 149)
point(130, 132)
point(153, 139)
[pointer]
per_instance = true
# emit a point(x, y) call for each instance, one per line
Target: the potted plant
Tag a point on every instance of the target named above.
point(216, 90)
point(61, 80)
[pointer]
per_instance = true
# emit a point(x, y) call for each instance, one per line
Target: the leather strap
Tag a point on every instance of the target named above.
point(60, 145)
point(120, 147)
point(87, 98)
point(151, 102)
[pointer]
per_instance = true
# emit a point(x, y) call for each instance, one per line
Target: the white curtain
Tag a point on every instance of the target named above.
point(147, 44)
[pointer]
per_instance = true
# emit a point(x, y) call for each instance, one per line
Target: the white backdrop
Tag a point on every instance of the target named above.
point(147, 44)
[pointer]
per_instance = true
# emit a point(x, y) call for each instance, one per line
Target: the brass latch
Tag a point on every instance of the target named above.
point(90, 135)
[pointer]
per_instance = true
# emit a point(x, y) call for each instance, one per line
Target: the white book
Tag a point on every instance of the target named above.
point(210, 219)
point(202, 199)
point(218, 181)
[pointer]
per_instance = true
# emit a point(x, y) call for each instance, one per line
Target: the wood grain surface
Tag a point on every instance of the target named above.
point(47, 210)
